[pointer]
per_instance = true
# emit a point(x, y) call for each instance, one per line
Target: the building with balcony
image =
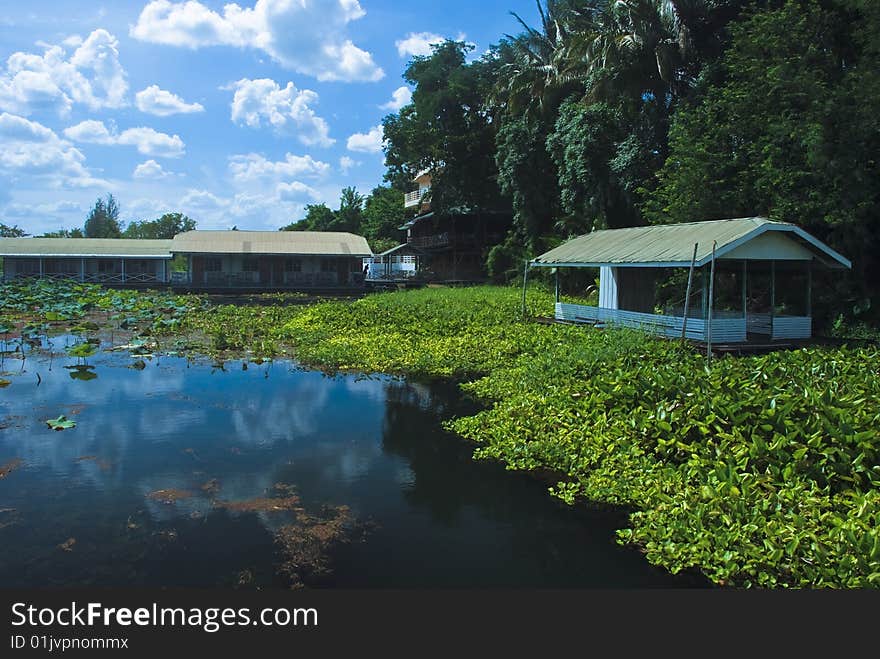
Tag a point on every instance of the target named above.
point(421, 196)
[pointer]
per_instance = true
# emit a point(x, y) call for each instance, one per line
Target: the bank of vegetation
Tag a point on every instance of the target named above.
point(755, 471)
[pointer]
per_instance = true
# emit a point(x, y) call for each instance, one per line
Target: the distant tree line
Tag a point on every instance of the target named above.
point(103, 222)
point(377, 217)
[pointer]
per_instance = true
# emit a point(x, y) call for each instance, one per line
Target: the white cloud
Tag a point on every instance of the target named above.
point(309, 37)
point(367, 142)
point(287, 109)
point(148, 141)
point(150, 170)
point(255, 167)
point(161, 103)
point(202, 200)
point(296, 191)
point(346, 164)
point(91, 76)
point(417, 43)
point(32, 150)
point(400, 97)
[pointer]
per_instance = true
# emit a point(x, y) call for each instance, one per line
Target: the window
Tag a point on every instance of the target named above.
point(105, 265)
point(28, 266)
point(293, 265)
point(328, 265)
point(250, 265)
point(213, 265)
point(355, 266)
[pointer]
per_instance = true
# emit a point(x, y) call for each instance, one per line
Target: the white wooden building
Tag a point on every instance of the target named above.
point(761, 288)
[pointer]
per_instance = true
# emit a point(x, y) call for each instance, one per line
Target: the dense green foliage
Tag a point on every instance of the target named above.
point(103, 219)
point(165, 227)
point(376, 217)
point(625, 112)
point(7, 231)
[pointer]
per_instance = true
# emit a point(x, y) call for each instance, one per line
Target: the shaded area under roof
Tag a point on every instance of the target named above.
point(400, 248)
point(672, 245)
point(85, 247)
point(299, 243)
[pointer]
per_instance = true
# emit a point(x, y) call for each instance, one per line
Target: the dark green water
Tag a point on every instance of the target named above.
point(422, 513)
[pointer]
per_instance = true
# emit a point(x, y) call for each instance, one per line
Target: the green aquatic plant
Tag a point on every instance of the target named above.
point(61, 423)
point(82, 350)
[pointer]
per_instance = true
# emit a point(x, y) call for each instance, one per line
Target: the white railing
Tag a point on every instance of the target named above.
point(723, 329)
point(411, 199)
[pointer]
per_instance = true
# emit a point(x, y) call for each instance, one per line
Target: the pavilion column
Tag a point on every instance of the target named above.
point(745, 294)
point(556, 272)
point(122, 261)
point(82, 270)
point(41, 268)
point(810, 289)
point(772, 295)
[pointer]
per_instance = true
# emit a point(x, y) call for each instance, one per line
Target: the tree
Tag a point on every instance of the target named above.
point(165, 227)
point(64, 233)
point(318, 217)
point(382, 217)
point(792, 133)
point(11, 231)
point(448, 129)
point(103, 220)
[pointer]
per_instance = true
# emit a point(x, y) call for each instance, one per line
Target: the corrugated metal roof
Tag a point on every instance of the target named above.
point(672, 245)
point(81, 247)
point(301, 243)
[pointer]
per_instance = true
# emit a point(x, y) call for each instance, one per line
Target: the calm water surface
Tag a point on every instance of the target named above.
point(423, 513)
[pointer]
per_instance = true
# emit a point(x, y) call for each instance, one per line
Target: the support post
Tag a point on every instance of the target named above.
point(82, 270)
point(556, 272)
point(122, 262)
point(711, 302)
point(687, 295)
point(810, 289)
point(745, 289)
point(525, 282)
point(41, 268)
point(772, 296)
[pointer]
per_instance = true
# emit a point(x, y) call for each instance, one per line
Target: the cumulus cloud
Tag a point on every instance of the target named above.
point(346, 164)
point(148, 141)
point(162, 103)
point(264, 101)
point(149, 170)
point(296, 191)
point(202, 200)
point(91, 75)
point(253, 167)
point(417, 43)
point(400, 97)
point(32, 150)
point(307, 37)
point(370, 142)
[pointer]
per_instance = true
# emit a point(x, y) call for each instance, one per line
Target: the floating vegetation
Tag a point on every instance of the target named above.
point(285, 500)
point(211, 488)
point(82, 350)
point(82, 372)
point(305, 546)
point(9, 467)
point(138, 365)
point(67, 545)
point(170, 496)
point(61, 423)
point(4, 383)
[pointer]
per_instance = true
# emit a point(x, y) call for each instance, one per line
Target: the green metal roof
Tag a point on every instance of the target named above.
point(672, 245)
point(85, 247)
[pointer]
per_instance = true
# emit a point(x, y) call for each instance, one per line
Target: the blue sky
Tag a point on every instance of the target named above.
point(234, 114)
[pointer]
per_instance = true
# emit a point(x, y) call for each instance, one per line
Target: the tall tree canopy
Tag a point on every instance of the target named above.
point(103, 220)
point(165, 227)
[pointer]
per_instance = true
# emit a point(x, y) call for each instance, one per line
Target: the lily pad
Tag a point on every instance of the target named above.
point(82, 372)
point(82, 350)
point(4, 383)
point(61, 423)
